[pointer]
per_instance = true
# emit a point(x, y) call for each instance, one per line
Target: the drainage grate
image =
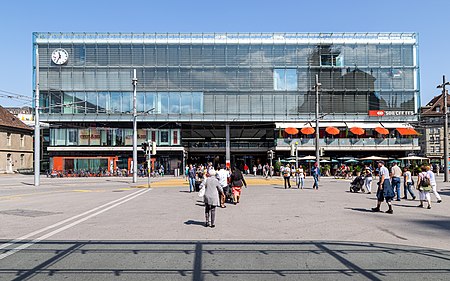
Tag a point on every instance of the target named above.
point(28, 213)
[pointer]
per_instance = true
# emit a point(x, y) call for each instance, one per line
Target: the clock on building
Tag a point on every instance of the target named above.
point(60, 56)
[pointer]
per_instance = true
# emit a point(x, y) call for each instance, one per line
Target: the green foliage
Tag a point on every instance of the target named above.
point(277, 166)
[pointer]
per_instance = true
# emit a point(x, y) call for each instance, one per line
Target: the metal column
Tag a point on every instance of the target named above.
point(227, 146)
point(134, 81)
point(37, 128)
point(316, 87)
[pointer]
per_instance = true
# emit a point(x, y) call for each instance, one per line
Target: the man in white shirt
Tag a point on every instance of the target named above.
point(396, 173)
point(222, 176)
point(385, 191)
point(433, 184)
point(408, 183)
point(287, 177)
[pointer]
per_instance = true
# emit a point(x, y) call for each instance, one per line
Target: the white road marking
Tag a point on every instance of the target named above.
point(137, 193)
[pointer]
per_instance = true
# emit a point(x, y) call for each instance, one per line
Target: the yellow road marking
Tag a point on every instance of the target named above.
point(29, 194)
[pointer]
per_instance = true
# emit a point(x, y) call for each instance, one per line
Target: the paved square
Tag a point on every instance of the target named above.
point(106, 229)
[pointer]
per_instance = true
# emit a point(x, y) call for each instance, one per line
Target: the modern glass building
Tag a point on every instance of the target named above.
point(198, 93)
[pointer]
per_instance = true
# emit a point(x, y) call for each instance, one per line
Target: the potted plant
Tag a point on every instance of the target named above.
point(276, 167)
point(326, 170)
point(358, 171)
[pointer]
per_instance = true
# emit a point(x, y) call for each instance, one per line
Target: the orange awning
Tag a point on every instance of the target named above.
point(308, 130)
point(407, 131)
point(332, 130)
point(291, 130)
point(357, 130)
point(382, 130)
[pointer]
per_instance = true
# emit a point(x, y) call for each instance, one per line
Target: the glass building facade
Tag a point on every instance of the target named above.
point(235, 78)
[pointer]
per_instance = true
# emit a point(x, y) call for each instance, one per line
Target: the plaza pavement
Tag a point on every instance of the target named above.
point(111, 229)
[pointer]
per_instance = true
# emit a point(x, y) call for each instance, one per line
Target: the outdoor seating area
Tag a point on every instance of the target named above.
point(348, 167)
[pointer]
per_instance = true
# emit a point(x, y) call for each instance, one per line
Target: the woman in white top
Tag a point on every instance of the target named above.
point(300, 177)
point(407, 184)
point(424, 190)
point(433, 184)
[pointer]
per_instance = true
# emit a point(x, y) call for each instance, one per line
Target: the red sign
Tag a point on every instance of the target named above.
point(377, 113)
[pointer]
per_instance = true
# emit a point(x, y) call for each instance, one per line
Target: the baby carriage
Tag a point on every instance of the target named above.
point(357, 184)
point(228, 194)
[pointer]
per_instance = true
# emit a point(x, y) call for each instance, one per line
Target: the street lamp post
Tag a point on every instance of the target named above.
point(316, 87)
point(37, 132)
point(445, 109)
point(134, 81)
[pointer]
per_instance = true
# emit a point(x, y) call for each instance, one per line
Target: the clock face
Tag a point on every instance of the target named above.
point(60, 56)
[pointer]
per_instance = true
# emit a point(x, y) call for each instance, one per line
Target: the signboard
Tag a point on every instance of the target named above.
point(379, 113)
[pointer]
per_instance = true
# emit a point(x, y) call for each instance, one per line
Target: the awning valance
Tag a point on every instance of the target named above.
point(395, 125)
point(322, 124)
point(364, 125)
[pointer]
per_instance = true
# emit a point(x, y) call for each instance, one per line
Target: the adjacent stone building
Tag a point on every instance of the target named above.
point(16, 143)
point(432, 129)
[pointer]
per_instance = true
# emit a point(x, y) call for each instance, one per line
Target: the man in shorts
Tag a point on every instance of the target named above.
point(385, 190)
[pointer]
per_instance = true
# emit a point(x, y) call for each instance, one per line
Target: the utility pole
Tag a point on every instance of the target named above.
point(37, 129)
point(444, 95)
point(134, 81)
point(316, 87)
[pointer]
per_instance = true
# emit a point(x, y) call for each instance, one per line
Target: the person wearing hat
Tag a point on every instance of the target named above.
point(211, 198)
point(287, 176)
point(385, 191)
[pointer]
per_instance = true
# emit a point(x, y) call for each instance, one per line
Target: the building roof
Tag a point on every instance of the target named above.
point(225, 38)
point(435, 107)
point(7, 119)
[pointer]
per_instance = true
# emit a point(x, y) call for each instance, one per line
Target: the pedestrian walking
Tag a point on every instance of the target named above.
point(424, 187)
point(396, 173)
point(237, 181)
point(287, 176)
point(191, 177)
point(368, 178)
point(385, 191)
point(222, 176)
point(300, 175)
point(433, 184)
point(407, 184)
point(211, 198)
point(315, 172)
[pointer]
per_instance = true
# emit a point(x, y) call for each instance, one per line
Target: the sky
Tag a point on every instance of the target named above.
point(19, 18)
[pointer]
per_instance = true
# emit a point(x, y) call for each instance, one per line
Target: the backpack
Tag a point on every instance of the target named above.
point(425, 181)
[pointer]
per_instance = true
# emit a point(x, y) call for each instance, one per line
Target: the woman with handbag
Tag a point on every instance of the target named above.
point(424, 187)
point(237, 181)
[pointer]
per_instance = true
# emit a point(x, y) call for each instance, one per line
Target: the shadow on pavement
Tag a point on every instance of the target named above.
point(442, 224)
point(192, 222)
point(219, 260)
point(26, 183)
point(360, 210)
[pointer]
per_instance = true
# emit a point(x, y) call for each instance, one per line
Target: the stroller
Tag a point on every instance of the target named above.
point(357, 184)
point(228, 194)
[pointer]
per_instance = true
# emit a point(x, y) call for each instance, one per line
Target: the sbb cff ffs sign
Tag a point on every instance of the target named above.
point(376, 113)
point(379, 113)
